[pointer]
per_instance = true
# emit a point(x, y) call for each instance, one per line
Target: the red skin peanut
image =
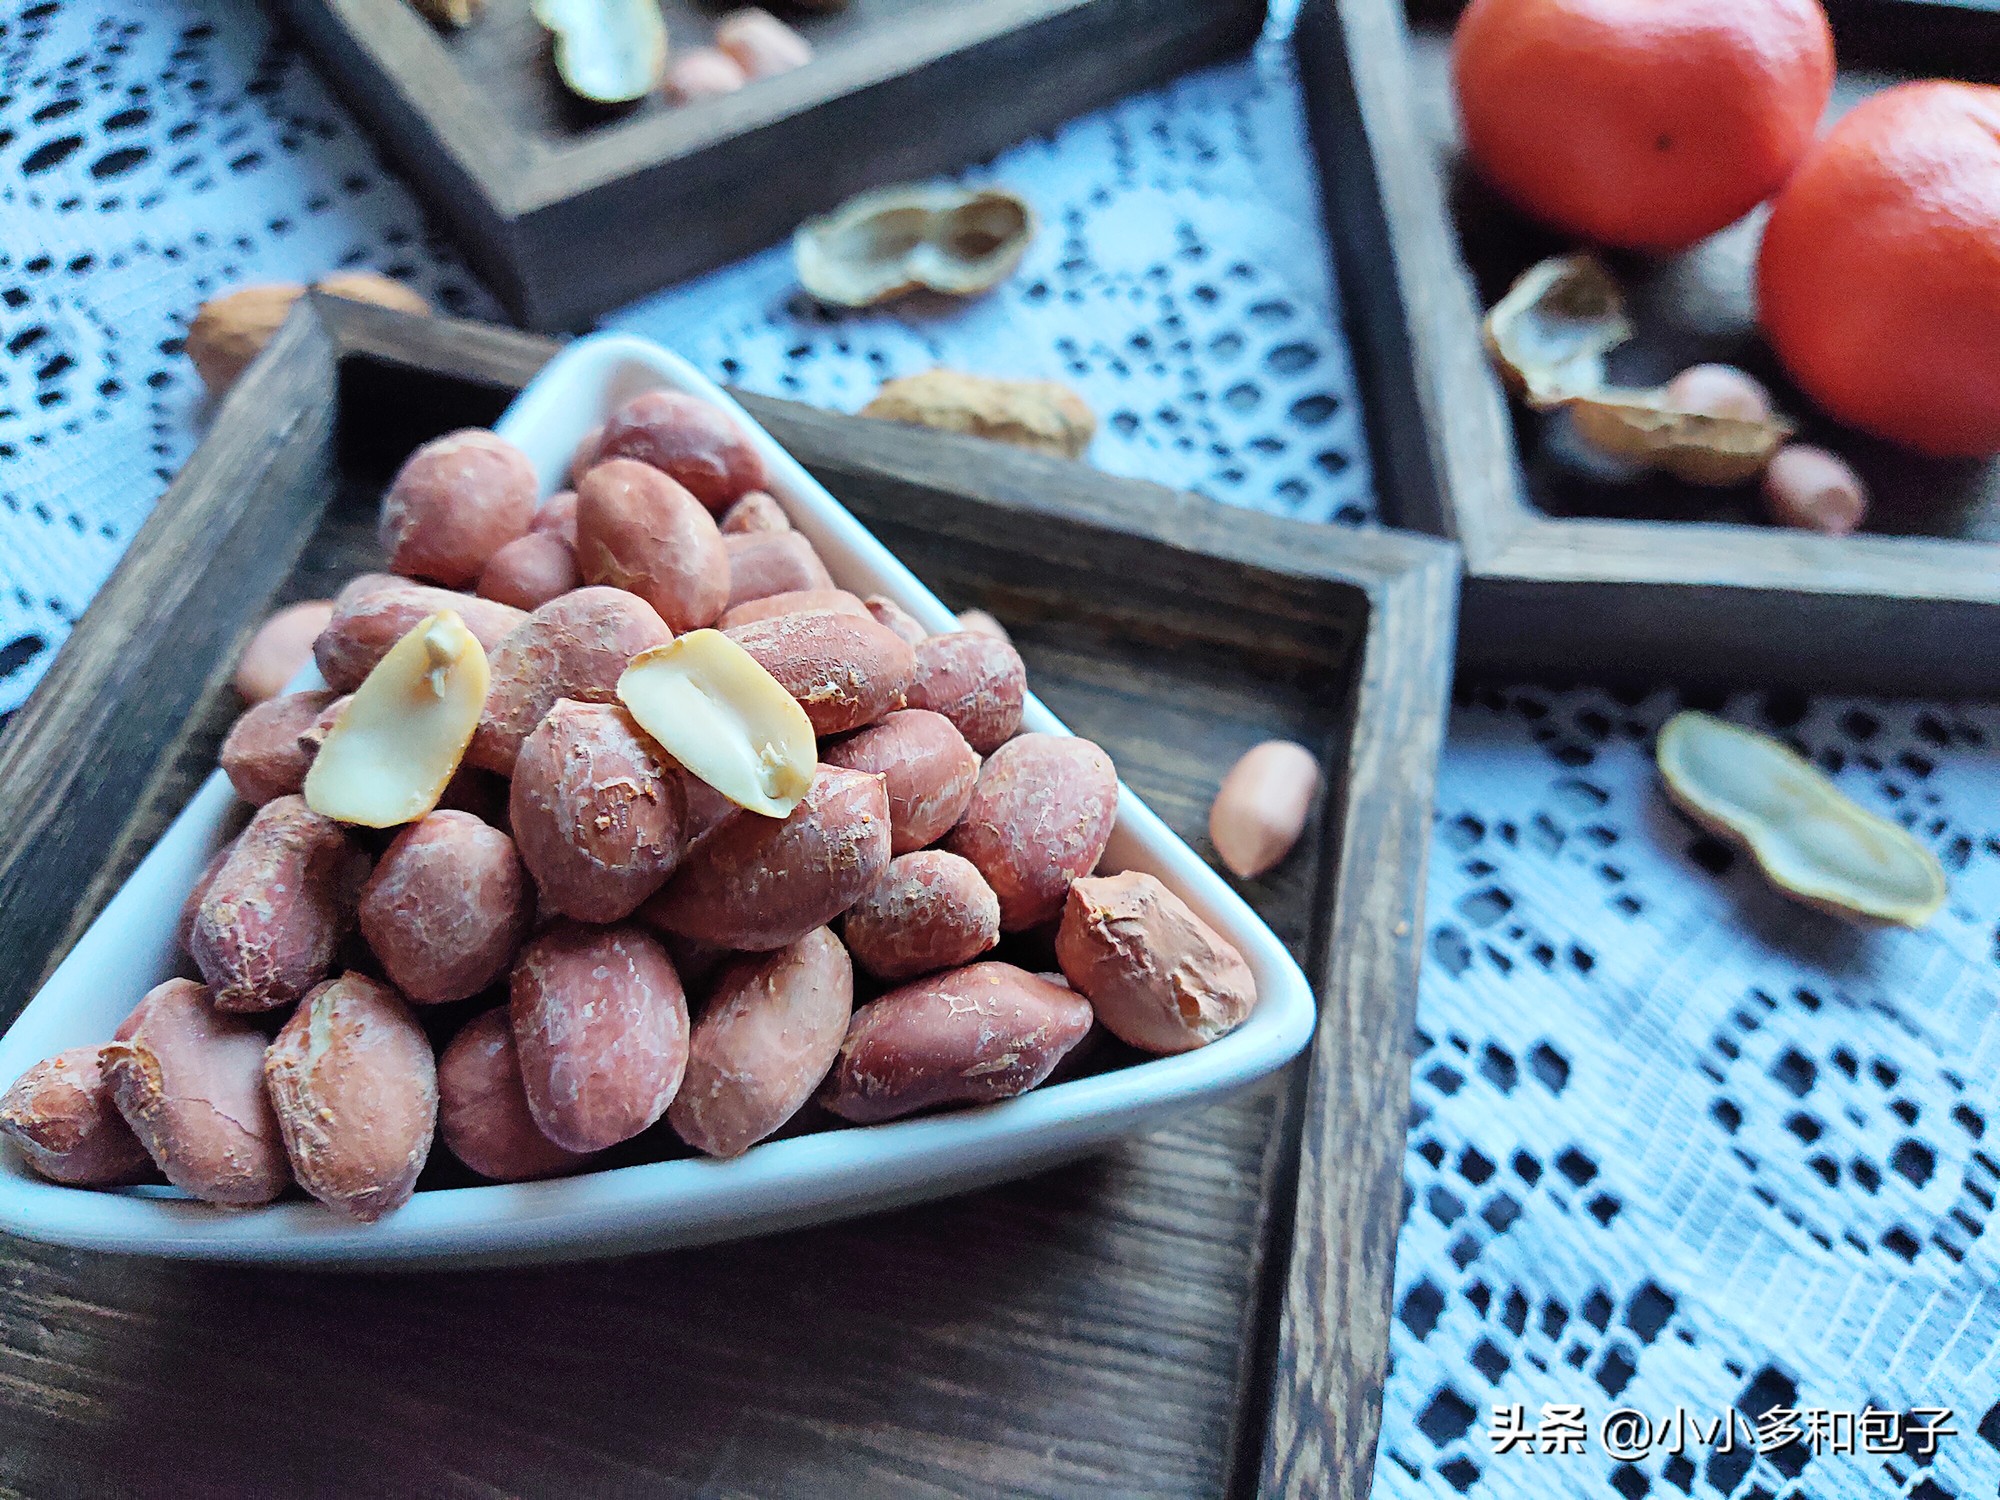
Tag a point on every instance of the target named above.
point(557, 517)
point(455, 502)
point(276, 910)
point(756, 511)
point(930, 769)
point(707, 809)
point(282, 645)
point(576, 647)
point(929, 911)
point(761, 44)
point(1040, 817)
point(365, 626)
point(770, 1031)
point(976, 681)
point(639, 530)
point(314, 734)
point(977, 1034)
point(685, 437)
point(190, 1083)
point(448, 904)
point(361, 585)
point(600, 1023)
point(354, 1086)
point(763, 563)
point(587, 453)
point(760, 883)
point(600, 820)
point(794, 602)
point(483, 1109)
point(845, 672)
point(60, 1115)
point(1159, 978)
point(893, 617)
point(184, 928)
point(263, 756)
point(530, 571)
point(702, 73)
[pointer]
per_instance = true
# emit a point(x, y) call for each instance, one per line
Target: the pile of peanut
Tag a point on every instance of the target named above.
point(656, 755)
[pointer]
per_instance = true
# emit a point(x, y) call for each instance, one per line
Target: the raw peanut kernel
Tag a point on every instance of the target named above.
point(639, 530)
point(483, 1109)
point(576, 646)
point(684, 437)
point(600, 1026)
point(929, 768)
point(725, 719)
point(985, 1032)
point(761, 44)
point(929, 911)
point(1040, 816)
point(767, 1036)
point(759, 883)
point(1814, 490)
point(273, 914)
point(264, 756)
point(369, 618)
point(1261, 808)
point(763, 563)
point(189, 1081)
point(704, 73)
point(399, 740)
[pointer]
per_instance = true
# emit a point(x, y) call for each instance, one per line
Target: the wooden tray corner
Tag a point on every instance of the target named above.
point(569, 211)
point(1605, 586)
point(1203, 1310)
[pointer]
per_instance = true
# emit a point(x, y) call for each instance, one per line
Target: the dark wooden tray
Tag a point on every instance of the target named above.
point(1595, 577)
point(1202, 1310)
point(569, 210)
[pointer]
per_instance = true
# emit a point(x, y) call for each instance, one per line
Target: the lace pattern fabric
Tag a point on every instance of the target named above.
point(1681, 1144)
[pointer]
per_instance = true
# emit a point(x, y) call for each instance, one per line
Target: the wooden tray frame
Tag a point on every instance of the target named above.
point(157, 642)
point(1605, 598)
point(564, 233)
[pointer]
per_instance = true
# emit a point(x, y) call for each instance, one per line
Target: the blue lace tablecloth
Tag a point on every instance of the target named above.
point(1676, 1146)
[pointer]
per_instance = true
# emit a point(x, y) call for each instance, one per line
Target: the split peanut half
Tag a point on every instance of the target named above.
point(399, 739)
point(728, 721)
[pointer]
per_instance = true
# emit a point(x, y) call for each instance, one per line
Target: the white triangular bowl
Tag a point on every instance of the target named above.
point(778, 1185)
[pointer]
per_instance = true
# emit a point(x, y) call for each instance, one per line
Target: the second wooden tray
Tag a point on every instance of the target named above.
point(1595, 579)
point(1202, 1310)
point(569, 210)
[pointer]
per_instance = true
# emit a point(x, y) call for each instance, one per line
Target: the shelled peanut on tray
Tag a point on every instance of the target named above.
point(623, 836)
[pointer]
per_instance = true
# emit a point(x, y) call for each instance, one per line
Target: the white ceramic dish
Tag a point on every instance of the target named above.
point(777, 1185)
